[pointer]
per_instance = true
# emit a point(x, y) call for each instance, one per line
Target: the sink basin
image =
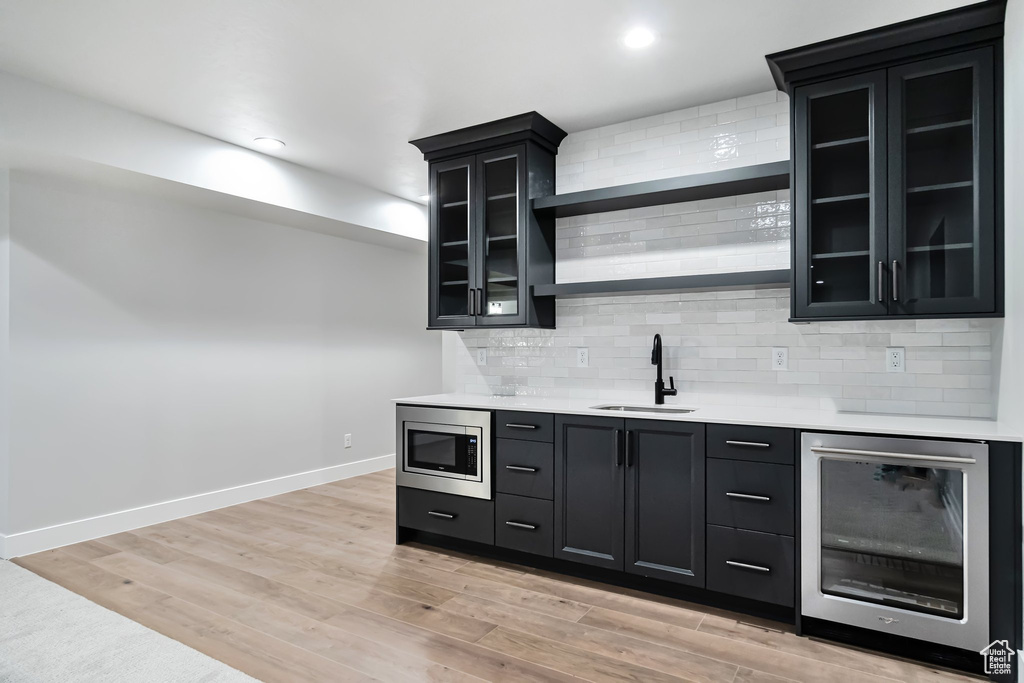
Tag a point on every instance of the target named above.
point(645, 409)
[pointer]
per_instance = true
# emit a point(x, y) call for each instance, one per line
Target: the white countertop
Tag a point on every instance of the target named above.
point(909, 425)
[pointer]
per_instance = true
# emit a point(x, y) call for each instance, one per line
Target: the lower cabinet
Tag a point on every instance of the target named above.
point(524, 524)
point(751, 564)
point(629, 495)
point(471, 519)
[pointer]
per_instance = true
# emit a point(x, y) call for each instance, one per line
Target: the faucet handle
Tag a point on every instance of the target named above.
point(671, 391)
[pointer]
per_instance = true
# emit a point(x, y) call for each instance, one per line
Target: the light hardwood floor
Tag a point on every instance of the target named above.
point(309, 586)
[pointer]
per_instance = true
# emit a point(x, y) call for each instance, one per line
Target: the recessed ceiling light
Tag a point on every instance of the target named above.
point(267, 143)
point(638, 38)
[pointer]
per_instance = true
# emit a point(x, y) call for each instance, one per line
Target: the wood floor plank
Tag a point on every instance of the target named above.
point(596, 641)
point(747, 655)
point(369, 657)
point(89, 550)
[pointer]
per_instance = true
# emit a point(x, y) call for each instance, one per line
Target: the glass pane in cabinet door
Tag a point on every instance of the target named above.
point(840, 182)
point(893, 534)
point(453, 235)
point(939, 185)
point(501, 235)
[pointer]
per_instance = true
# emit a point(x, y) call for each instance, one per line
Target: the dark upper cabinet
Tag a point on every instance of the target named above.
point(665, 500)
point(896, 147)
point(486, 248)
point(629, 494)
point(589, 490)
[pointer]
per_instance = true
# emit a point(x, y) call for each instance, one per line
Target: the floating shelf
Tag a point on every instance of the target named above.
point(688, 188)
point(706, 281)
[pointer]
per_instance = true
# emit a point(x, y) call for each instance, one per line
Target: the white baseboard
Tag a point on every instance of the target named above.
point(38, 540)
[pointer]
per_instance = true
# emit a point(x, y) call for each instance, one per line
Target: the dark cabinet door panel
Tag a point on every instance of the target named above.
point(522, 424)
point(840, 245)
point(941, 185)
point(523, 524)
point(453, 260)
point(471, 519)
point(751, 564)
point(751, 495)
point(589, 465)
point(758, 444)
point(525, 468)
point(665, 500)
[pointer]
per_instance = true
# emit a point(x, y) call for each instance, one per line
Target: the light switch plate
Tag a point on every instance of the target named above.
point(894, 357)
point(348, 441)
point(582, 357)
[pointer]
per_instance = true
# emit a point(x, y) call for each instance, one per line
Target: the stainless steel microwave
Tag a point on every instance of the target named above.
point(446, 450)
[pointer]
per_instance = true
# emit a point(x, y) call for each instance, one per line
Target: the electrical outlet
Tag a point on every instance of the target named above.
point(780, 358)
point(481, 356)
point(348, 441)
point(894, 359)
point(582, 357)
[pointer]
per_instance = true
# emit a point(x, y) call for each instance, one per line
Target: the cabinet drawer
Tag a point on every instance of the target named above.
point(525, 468)
point(471, 519)
point(751, 495)
point(514, 424)
point(760, 444)
point(751, 564)
point(524, 524)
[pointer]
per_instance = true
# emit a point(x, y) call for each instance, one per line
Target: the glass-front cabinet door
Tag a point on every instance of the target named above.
point(840, 198)
point(501, 177)
point(941, 185)
point(452, 262)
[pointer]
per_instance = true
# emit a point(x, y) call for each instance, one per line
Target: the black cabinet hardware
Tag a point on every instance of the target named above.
point(629, 449)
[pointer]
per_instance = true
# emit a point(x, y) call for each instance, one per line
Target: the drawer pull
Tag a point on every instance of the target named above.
point(749, 444)
point(442, 515)
point(520, 525)
point(520, 468)
point(516, 425)
point(748, 496)
point(744, 565)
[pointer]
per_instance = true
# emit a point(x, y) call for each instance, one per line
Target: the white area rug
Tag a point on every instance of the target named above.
point(49, 634)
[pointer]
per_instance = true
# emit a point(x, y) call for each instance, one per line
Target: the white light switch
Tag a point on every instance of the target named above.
point(348, 441)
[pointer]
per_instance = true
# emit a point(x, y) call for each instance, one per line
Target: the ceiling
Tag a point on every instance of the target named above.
point(347, 84)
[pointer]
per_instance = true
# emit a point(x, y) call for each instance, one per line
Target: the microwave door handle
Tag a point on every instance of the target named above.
point(892, 456)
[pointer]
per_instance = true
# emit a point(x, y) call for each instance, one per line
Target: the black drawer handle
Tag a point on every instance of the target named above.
point(520, 525)
point(744, 565)
point(520, 468)
point(748, 496)
point(442, 515)
point(516, 425)
point(749, 444)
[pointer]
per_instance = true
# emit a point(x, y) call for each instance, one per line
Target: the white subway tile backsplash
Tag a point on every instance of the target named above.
point(717, 344)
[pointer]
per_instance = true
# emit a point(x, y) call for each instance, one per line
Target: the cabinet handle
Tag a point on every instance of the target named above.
point(480, 301)
point(520, 468)
point(744, 565)
point(618, 448)
point(629, 448)
point(472, 302)
point(520, 525)
point(895, 281)
point(442, 515)
point(748, 496)
point(749, 444)
point(516, 425)
point(881, 281)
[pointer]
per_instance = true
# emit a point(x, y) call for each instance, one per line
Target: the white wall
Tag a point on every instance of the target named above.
point(4, 347)
point(161, 351)
point(1011, 379)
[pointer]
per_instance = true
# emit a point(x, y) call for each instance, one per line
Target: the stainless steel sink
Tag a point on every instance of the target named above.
point(645, 409)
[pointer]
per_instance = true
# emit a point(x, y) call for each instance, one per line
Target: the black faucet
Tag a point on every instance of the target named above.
point(660, 392)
